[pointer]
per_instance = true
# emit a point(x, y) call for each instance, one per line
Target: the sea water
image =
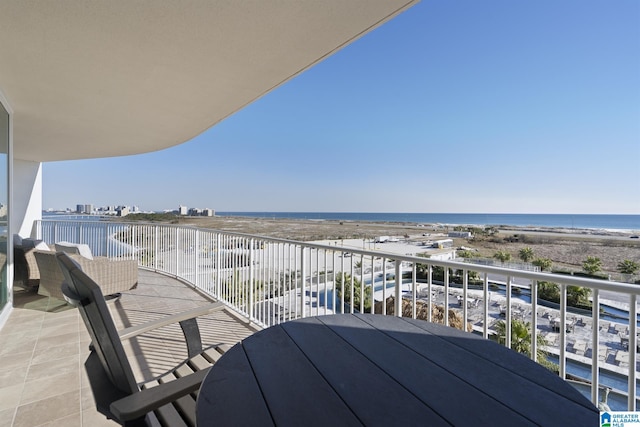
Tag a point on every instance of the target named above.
point(578, 221)
point(102, 231)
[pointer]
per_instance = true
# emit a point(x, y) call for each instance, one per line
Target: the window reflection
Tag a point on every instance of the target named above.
point(4, 190)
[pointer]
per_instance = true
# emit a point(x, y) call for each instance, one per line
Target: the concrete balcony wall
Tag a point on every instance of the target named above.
point(27, 196)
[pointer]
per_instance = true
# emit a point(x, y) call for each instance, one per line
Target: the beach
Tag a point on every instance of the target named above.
point(567, 248)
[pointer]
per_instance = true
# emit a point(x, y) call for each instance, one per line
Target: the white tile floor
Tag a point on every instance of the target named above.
point(44, 345)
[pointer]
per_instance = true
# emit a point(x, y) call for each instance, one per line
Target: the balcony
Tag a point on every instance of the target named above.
point(265, 281)
point(44, 345)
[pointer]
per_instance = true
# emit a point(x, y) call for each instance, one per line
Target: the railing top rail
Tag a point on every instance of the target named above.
point(456, 265)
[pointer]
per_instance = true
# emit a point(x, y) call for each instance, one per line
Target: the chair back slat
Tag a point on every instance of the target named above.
point(84, 293)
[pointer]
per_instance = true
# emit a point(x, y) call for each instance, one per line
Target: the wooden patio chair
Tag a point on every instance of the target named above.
point(168, 400)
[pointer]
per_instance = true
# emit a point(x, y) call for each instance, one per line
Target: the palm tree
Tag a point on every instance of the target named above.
point(543, 263)
point(343, 284)
point(628, 267)
point(521, 341)
point(549, 291)
point(502, 256)
point(526, 254)
point(577, 295)
point(520, 335)
point(592, 265)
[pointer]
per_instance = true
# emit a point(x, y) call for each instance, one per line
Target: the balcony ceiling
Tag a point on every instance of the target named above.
point(89, 79)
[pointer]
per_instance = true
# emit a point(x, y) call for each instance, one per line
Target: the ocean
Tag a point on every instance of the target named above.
point(578, 221)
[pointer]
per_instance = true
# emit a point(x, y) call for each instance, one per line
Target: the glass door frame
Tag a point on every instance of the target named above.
point(6, 309)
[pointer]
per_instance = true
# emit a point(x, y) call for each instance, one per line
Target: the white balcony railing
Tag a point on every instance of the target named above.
point(270, 280)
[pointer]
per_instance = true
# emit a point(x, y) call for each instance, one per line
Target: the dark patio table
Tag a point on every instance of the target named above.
point(362, 369)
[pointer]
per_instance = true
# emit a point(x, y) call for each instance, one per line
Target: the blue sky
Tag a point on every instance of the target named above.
point(454, 106)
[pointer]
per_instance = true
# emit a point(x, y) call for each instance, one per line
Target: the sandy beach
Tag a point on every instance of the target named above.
point(566, 248)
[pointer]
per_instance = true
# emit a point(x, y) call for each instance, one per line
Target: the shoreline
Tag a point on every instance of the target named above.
point(601, 222)
point(446, 226)
point(596, 230)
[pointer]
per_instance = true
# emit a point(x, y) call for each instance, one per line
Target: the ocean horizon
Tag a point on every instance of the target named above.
point(622, 222)
point(577, 221)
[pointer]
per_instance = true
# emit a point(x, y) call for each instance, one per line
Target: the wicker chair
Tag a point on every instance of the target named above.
point(26, 273)
point(113, 277)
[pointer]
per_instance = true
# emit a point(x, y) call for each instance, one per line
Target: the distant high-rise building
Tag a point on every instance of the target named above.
point(208, 212)
point(84, 209)
point(182, 210)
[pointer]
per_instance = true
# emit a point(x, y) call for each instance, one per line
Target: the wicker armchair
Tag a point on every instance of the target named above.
point(26, 272)
point(113, 277)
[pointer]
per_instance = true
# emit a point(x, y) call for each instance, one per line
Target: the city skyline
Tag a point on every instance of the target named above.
point(465, 107)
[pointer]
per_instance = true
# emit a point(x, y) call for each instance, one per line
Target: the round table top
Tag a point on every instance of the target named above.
point(362, 369)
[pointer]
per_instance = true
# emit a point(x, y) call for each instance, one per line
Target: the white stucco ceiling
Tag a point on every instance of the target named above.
point(100, 78)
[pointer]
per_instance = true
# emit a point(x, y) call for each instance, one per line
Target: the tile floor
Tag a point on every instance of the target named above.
point(44, 344)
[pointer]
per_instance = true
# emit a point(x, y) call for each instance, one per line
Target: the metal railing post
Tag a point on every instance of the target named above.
point(595, 332)
point(106, 240)
point(303, 282)
point(633, 346)
point(487, 296)
point(196, 250)
point(398, 301)
point(177, 272)
point(534, 320)
point(446, 296)
point(252, 279)
point(156, 249)
point(218, 265)
point(465, 283)
point(429, 279)
point(508, 319)
point(563, 332)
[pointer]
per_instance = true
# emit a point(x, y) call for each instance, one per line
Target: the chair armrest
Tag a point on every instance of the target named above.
point(188, 324)
point(139, 404)
point(133, 331)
